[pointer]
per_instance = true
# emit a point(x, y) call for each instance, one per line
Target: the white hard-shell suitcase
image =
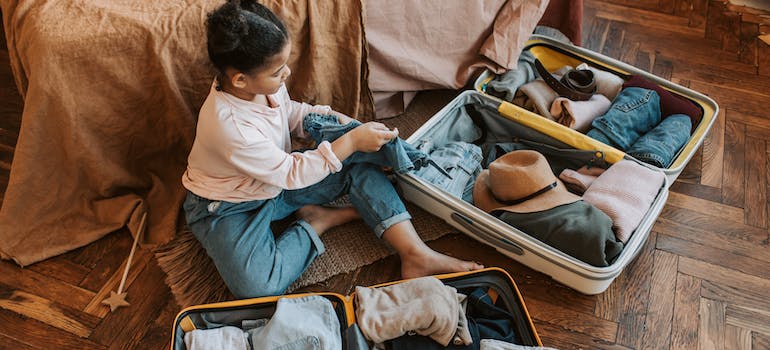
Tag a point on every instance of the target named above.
point(518, 245)
point(513, 119)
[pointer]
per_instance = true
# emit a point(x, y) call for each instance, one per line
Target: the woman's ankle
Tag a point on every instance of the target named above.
point(322, 219)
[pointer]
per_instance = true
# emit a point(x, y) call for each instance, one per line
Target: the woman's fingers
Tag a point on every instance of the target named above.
point(378, 126)
point(378, 135)
point(388, 135)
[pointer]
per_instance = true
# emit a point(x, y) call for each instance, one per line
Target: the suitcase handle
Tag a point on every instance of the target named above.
point(491, 238)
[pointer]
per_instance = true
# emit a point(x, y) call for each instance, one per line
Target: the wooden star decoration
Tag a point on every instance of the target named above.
point(118, 299)
point(115, 300)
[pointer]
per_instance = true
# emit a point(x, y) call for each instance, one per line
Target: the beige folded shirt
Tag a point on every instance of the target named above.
point(423, 305)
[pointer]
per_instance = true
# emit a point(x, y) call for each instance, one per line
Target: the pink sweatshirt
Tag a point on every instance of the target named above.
point(242, 150)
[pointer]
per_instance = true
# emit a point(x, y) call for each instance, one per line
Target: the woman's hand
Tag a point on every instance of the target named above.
point(371, 136)
point(368, 137)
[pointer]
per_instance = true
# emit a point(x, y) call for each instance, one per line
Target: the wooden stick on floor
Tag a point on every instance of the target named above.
point(116, 300)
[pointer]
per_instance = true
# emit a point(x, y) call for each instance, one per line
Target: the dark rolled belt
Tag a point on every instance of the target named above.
point(576, 85)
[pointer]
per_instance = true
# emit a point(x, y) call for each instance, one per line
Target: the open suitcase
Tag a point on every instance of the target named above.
point(503, 120)
point(508, 240)
point(497, 283)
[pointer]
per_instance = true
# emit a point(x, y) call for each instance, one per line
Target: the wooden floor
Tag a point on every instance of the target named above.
point(702, 280)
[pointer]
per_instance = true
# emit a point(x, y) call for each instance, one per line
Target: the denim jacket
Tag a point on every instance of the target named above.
point(461, 160)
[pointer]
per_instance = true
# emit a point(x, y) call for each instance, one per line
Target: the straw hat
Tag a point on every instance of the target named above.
point(520, 182)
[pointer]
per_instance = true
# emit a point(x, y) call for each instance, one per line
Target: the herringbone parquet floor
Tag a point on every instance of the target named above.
point(702, 280)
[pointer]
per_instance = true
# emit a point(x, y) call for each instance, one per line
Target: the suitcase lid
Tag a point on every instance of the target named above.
point(555, 54)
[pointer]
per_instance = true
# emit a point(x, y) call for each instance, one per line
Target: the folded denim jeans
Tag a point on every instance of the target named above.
point(633, 113)
point(659, 145)
point(670, 103)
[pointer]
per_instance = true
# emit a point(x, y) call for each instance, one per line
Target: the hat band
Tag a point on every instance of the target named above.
point(524, 199)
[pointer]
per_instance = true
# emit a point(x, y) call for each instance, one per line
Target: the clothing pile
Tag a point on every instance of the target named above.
point(426, 314)
point(570, 199)
point(629, 113)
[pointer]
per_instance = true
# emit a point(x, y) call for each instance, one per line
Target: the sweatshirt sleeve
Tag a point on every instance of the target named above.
point(267, 163)
point(298, 111)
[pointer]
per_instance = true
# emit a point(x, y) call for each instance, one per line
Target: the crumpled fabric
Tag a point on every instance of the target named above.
point(422, 305)
point(439, 44)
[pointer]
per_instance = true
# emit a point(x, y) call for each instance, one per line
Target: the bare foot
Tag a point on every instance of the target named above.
point(322, 219)
point(430, 262)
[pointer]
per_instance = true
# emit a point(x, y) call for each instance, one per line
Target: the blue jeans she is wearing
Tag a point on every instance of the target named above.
point(461, 160)
point(254, 263)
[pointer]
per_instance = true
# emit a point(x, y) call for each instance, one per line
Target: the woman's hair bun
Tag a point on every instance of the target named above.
point(243, 34)
point(227, 26)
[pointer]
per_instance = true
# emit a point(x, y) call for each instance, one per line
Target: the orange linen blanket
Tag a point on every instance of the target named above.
point(111, 92)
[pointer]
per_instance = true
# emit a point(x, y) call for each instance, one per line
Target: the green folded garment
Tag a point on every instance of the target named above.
point(578, 229)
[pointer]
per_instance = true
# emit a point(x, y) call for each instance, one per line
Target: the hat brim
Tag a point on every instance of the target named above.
point(484, 200)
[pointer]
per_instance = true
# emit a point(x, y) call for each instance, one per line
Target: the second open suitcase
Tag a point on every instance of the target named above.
point(494, 283)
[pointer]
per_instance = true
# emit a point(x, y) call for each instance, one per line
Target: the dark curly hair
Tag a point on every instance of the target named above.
point(243, 35)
